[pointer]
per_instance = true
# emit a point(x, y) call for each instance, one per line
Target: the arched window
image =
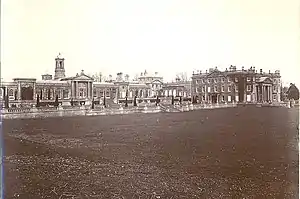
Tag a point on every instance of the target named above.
point(11, 92)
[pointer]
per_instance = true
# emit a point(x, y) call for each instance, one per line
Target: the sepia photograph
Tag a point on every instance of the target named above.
point(169, 99)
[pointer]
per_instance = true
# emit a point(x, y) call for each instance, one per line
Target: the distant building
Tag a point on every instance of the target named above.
point(178, 88)
point(215, 86)
point(79, 88)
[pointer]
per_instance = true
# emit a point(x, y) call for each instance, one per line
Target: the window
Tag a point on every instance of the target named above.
point(81, 92)
point(208, 80)
point(223, 88)
point(274, 97)
point(202, 80)
point(248, 79)
point(274, 88)
point(216, 89)
point(208, 89)
point(223, 79)
point(196, 90)
point(11, 92)
point(248, 87)
point(229, 88)
point(203, 89)
point(203, 97)
point(254, 79)
point(65, 94)
point(197, 81)
point(223, 98)
point(236, 79)
point(228, 79)
point(216, 80)
point(236, 89)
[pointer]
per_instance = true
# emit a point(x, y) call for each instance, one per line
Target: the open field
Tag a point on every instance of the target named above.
point(244, 152)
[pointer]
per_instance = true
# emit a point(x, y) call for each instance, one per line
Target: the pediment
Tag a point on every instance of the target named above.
point(265, 80)
point(215, 73)
point(83, 77)
point(157, 81)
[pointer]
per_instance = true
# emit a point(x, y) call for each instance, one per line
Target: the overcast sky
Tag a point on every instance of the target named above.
point(167, 36)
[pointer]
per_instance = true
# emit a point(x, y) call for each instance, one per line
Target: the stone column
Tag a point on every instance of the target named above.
point(19, 90)
point(72, 90)
point(88, 90)
point(271, 94)
point(92, 90)
point(254, 93)
point(77, 89)
point(266, 93)
point(262, 93)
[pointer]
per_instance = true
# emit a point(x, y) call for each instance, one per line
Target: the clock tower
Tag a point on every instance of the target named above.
point(59, 67)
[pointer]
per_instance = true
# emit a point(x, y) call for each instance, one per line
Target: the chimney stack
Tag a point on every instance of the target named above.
point(260, 70)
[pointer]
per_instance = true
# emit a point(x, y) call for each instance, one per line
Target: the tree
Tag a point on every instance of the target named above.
point(37, 101)
point(293, 92)
point(126, 77)
point(126, 103)
point(182, 77)
point(136, 77)
point(104, 101)
point(172, 99)
point(56, 103)
point(157, 101)
point(93, 104)
point(6, 103)
point(134, 101)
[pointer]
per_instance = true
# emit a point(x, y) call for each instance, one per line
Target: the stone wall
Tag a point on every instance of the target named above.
point(61, 112)
point(86, 111)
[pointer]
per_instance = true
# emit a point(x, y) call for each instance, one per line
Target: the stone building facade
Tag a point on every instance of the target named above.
point(81, 87)
point(177, 89)
point(215, 86)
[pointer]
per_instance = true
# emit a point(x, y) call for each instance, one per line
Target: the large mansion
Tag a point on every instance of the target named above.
point(245, 85)
point(83, 88)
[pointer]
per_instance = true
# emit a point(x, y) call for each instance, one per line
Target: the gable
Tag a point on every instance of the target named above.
point(83, 77)
point(215, 73)
point(157, 81)
point(265, 80)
